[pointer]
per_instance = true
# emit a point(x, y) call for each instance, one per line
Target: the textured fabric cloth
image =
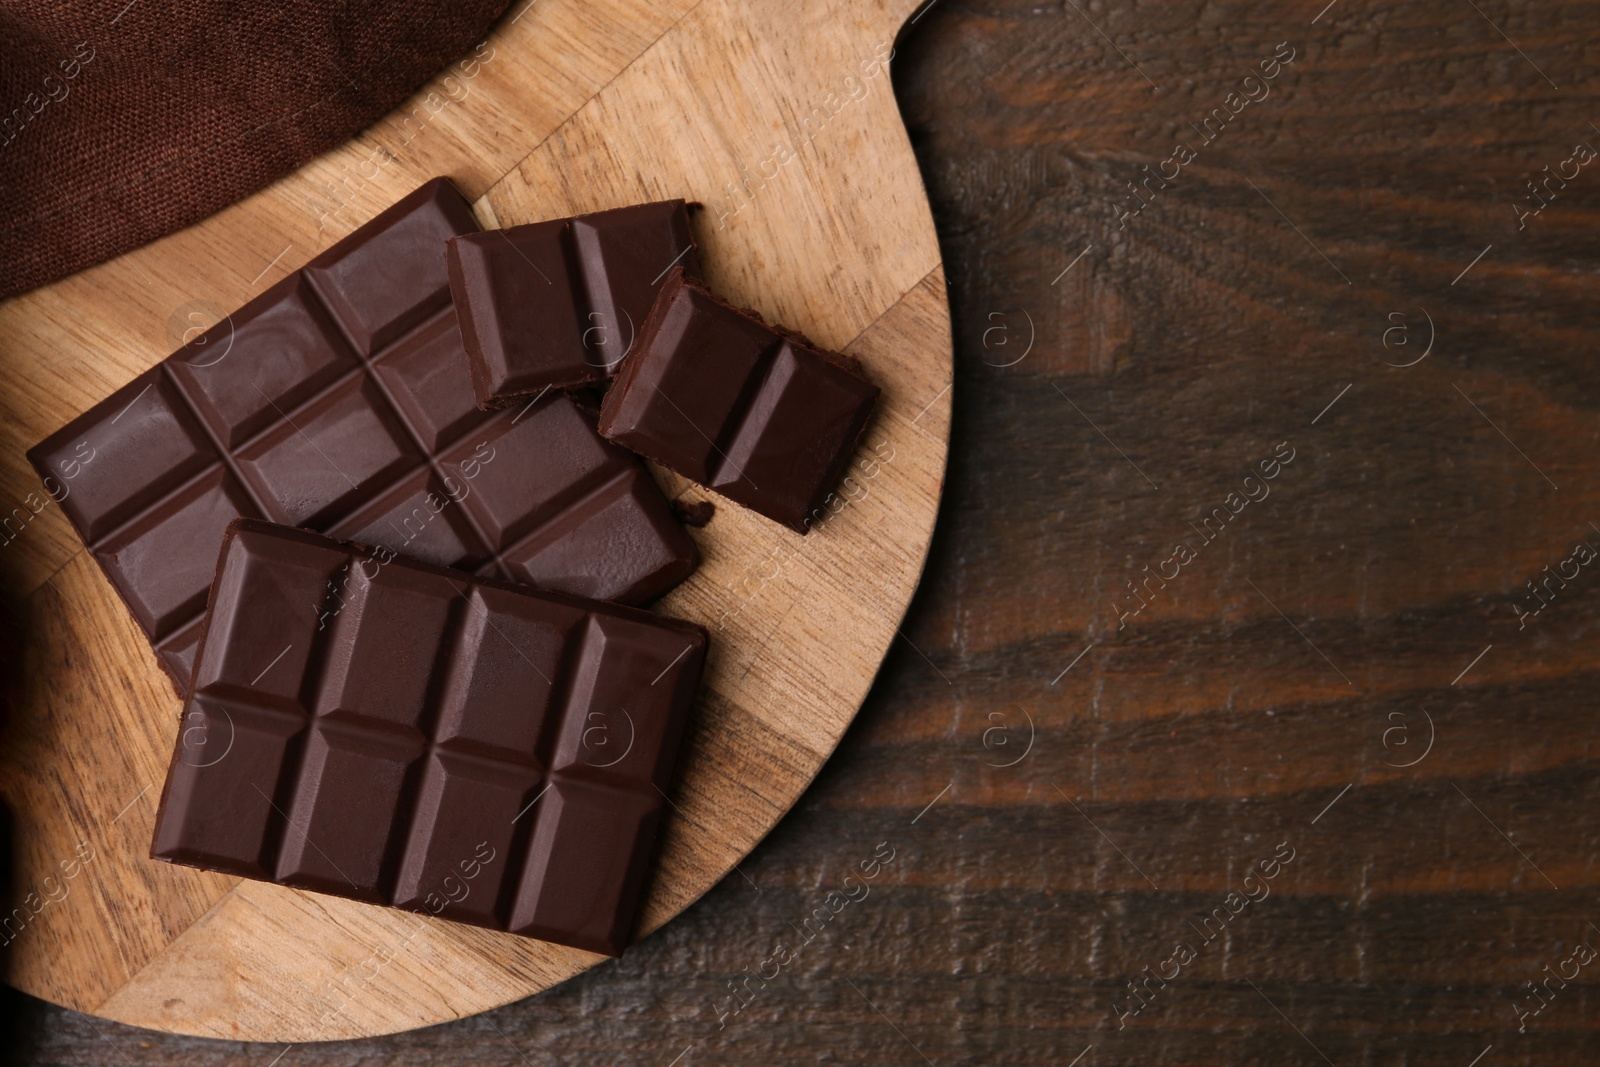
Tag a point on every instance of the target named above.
point(123, 122)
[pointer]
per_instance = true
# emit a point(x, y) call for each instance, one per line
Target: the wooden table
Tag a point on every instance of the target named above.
point(1341, 664)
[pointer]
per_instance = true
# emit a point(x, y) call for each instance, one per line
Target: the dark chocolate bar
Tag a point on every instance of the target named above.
point(559, 303)
point(390, 731)
point(755, 412)
point(339, 400)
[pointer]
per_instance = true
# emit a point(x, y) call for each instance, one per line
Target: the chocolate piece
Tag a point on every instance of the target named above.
point(390, 731)
point(559, 303)
point(755, 412)
point(339, 400)
point(694, 513)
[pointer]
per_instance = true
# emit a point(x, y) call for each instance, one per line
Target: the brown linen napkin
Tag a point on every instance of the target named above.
point(124, 121)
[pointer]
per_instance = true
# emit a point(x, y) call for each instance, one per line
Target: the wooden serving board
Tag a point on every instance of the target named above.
point(779, 117)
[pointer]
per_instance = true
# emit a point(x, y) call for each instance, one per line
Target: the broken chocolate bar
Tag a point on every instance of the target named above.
point(560, 303)
point(757, 413)
point(339, 400)
point(377, 728)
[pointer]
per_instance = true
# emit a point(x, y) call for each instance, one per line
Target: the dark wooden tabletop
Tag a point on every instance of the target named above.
point(1247, 712)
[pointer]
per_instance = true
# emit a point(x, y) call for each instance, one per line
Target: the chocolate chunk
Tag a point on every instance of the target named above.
point(339, 400)
point(759, 414)
point(390, 731)
point(559, 303)
point(694, 513)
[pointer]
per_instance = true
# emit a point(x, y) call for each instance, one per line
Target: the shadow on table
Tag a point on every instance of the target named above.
point(19, 1013)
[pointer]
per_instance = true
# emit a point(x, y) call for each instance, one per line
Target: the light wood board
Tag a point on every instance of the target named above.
point(780, 118)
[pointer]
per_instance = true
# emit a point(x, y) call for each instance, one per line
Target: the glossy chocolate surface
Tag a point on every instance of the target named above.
point(758, 414)
point(339, 400)
point(377, 728)
point(560, 303)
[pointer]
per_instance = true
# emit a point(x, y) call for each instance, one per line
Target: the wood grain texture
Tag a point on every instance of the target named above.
point(1208, 730)
point(629, 103)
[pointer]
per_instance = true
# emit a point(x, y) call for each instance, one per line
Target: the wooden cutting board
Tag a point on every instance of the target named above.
point(779, 116)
